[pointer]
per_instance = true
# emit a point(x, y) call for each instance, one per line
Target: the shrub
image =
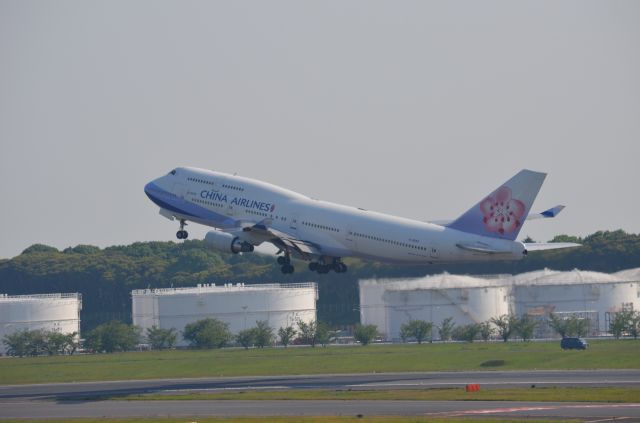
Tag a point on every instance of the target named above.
point(207, 333)
point(416, 329)
point(365, 333)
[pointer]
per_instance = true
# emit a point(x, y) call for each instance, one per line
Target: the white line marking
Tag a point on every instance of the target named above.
point(250, 388)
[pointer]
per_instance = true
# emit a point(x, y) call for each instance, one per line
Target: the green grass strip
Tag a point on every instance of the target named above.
point(294, 419)
point(551, 394)
point(602, 354)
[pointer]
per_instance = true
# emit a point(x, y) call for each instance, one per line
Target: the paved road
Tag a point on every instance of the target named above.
point(494, 379)
point(69, 400)
point(49, 409)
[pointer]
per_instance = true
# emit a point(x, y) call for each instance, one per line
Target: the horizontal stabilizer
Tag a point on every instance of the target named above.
point(540, 246)
point(547, 214)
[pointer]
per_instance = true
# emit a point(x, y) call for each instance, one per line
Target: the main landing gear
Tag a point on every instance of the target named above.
point(182, 234)
point(285, 262)
point(323, 268)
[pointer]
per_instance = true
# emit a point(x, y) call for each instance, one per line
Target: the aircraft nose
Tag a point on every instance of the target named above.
point(149, 189)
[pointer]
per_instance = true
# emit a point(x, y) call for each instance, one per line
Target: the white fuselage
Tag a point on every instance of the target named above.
point(222, 201)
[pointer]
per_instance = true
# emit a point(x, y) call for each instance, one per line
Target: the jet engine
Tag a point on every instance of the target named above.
point(226, 242)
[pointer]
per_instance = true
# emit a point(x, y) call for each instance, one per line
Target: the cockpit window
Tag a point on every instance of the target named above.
point(173, 172)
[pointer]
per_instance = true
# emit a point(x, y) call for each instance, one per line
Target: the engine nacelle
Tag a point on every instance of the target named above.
point(226, 242)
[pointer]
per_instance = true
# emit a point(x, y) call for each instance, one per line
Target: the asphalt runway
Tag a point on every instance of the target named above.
point(368, 381)
point(582, 411)
point(67, 400)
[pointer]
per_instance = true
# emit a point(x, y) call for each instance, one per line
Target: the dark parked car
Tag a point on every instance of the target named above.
point(573, 344)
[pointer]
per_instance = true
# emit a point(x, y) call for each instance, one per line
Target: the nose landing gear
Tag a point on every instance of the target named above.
point(182, 234)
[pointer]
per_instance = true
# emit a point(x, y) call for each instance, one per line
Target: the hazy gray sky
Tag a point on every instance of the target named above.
point(412, 108)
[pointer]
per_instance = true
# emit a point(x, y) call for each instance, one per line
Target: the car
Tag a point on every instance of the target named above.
point(573, 344)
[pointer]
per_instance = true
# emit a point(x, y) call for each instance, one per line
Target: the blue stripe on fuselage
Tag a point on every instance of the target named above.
point(170, 202)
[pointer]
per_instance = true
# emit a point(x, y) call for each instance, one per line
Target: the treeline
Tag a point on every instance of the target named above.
point(208, 333)
point(105, 277)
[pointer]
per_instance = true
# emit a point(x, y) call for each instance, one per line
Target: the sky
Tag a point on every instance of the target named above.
point(413, 108)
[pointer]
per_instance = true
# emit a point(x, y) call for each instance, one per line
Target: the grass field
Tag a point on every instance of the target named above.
point(552, 394)
point(605, 354)
point(332, 419)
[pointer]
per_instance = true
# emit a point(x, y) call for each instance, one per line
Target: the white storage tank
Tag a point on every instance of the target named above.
point(238, 305)
point(390, 303)
point(592, 294)
point(51, 312)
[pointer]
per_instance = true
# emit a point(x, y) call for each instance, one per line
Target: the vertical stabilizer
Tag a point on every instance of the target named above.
point(502, 213)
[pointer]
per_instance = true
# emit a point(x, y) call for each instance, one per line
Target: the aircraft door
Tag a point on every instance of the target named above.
point(293, 222)
point(350, 238)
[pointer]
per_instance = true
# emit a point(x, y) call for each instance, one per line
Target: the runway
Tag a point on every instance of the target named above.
point(67, 400)
point(582, 411)
point(368, 381)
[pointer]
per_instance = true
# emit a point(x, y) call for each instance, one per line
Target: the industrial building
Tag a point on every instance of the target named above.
point(50, 312)
point(389, 303)
point(240, 305)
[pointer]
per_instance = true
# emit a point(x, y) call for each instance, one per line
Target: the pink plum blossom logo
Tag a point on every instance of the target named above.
point(502, 213)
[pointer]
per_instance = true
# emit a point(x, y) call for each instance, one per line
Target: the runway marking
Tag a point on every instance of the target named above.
point(599, 382)
point(610, 419)
point(251, 388)
point(531, 408)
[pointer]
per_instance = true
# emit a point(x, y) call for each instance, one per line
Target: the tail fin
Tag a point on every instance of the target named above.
point(502, 213)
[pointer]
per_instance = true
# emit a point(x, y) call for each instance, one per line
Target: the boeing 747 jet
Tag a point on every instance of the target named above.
point(247, 212)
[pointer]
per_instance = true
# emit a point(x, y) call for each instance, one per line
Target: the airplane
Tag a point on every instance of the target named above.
point(247, 212)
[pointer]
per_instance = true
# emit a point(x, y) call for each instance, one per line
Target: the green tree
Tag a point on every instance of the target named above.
point(634, 324)
point(160, 339)
point(263, 334)
point(486, 331)
point(466, 333)
point(17, 343)
point(40, 248)
point(525, 326)
point(446, 329)
point(314, 332)
point(558, 324)
point(505, 325)
point(578, 326)
point(113, 336)
point(567, 238)
point(416, 329)
point(324, 335)
point(246, 337)
point(59, 343)
point(307, 332)
point(365, 333)
point(207, 333)
point(286, 334)
point(618, 324)
point(72, 343)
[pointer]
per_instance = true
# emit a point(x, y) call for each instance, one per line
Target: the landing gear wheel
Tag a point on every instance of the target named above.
point(287, 269)
point(313, 266)
point(323, 269)
point(182, 234)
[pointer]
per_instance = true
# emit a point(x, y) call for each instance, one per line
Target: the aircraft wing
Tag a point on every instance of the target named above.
point(283, 240)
